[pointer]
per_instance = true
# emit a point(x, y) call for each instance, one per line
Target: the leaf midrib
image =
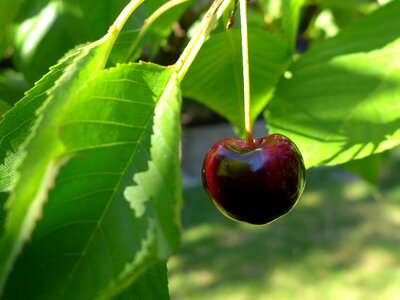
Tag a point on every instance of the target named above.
point(112, 197)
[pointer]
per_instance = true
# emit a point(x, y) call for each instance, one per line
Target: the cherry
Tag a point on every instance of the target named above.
point(254, 184)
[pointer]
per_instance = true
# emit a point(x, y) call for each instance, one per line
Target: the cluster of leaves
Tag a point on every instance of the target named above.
point(89, 173)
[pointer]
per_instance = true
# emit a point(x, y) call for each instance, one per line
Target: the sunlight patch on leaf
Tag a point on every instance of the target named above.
point(139, 198)
point(342, 100)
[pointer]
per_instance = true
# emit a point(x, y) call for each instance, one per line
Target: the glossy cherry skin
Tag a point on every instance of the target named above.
point(254, 184)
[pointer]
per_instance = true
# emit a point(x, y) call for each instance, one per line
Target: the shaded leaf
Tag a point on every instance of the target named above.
point(290, 20)
point(130, 45)
point(98, 15)
point(4, 107)
point(215, 78)
point(3, 199)
point(342, 101)
point(41, 39)
point(8, 12)
point(12, 86)
point(367, 168)
point(151, 285)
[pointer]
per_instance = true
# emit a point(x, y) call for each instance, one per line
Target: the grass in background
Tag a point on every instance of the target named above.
point(341, 241)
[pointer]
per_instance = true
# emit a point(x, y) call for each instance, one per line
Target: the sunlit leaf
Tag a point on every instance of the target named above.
point(115, 206)
point(16, 125)
point(43, 150)
point(342, 100)
point(43, 38)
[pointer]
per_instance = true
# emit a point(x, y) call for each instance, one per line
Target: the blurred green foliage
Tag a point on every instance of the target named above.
point(341, 241)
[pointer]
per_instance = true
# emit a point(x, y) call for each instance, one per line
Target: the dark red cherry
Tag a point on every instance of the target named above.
point(254, 184)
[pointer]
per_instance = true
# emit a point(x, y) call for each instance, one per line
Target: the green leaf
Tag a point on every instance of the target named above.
point(98, 15)
point(43, 150)
point(114, 208)
point(40, 40)
point(4, 107)
point(8, 12)
point(342, 101)
point(367, 168)
point(16, 124)
point(290, 20)
point(132, 40)
point(151, 285)
point(215, 78)
point(12, 86)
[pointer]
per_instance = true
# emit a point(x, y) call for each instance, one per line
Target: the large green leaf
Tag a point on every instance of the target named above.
point(342, 102)
point(41, 161)
point(43, 149)
point(215, 78)
point(115, 205)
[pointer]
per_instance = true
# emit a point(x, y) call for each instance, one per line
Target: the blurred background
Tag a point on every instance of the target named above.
point(341, 241)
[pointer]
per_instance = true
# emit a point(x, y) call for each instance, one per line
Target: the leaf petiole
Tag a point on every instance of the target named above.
point(149, 21)
point(213, 14)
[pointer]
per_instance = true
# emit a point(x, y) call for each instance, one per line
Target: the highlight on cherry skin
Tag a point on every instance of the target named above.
point(256, 184)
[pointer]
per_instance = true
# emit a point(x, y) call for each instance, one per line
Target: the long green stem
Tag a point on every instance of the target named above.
point(246, 75)
point(213, 14)
point(125, 14)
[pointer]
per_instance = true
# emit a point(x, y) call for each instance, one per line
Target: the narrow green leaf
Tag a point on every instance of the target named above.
point(114, 208)
point(215, 78)
point(342, 101)
point(290, 20)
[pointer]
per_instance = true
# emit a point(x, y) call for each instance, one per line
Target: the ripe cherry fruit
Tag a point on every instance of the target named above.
point(254, 184)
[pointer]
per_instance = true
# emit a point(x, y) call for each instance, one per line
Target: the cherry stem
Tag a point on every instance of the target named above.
point(246, 75)
point(214, 13)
